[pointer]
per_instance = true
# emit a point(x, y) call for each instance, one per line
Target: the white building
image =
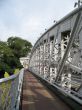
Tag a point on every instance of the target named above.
point(25, 61)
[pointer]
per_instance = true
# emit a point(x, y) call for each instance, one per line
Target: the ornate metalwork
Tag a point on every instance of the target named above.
point(57, 55)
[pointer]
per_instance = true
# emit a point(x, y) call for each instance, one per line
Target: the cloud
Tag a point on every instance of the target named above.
point(29, 18)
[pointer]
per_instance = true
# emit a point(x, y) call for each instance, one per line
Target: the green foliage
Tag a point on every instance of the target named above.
point(6, 75)
point(5, 50)
point(19, 46)
point(11, 51)
point(5, 53)
point(16, 71)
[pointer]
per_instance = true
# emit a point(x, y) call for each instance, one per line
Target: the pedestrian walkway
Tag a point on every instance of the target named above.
point(36, 96)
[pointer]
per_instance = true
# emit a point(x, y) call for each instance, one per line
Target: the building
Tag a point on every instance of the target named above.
point(25, 61)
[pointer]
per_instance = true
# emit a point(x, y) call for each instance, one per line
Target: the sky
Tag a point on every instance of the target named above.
point(28, 19)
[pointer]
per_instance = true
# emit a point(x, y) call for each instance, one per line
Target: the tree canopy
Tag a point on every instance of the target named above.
point(11, 51)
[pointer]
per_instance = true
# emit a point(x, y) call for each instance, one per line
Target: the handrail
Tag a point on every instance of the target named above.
point(10, 91)
point(9, 78)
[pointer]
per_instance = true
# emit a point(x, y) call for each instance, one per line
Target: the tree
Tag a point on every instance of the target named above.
point(5, 54)
point(10, 52)
point(19, 46)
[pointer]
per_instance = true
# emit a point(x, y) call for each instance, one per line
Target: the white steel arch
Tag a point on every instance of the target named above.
point(57, 55)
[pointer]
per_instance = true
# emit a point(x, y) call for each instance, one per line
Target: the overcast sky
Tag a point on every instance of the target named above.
point(29, 18)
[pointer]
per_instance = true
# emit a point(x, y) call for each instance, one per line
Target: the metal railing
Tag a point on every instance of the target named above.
point(10, 91)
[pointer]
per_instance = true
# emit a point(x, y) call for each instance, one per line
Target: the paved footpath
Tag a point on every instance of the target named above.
point(36, 96)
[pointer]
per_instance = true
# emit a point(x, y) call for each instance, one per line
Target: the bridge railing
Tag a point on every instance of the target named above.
point(10, 90)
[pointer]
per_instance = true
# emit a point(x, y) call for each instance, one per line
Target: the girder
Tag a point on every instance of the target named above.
point(57, 55)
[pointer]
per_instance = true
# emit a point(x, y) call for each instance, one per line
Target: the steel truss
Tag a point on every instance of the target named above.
point(57, 58)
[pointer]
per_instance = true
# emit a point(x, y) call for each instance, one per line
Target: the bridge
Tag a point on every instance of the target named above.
point(55, 71)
